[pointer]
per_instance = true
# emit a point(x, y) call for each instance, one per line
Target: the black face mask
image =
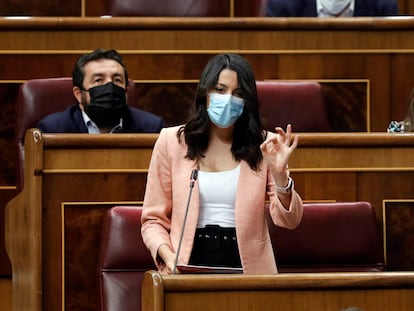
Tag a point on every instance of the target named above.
point(107, 104)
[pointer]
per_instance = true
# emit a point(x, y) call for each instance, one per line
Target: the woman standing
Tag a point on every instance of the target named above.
point(239, 167)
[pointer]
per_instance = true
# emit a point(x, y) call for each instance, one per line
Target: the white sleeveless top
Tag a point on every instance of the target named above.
point(217, 197)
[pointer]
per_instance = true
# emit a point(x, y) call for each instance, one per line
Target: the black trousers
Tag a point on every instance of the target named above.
point(215, 246)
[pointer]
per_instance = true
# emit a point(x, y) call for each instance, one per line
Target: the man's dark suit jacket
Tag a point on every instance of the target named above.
point(70, 121)
point(307, 8)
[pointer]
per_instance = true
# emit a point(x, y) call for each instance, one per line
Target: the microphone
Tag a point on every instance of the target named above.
point(193, 179)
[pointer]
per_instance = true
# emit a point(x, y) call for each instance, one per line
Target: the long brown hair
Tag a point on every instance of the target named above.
point(248, 133)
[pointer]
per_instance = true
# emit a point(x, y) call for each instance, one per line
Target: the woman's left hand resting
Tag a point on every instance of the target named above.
point(276, 150)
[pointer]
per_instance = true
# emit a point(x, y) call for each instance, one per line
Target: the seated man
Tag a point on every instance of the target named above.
point(100, 80)
point(331, 8)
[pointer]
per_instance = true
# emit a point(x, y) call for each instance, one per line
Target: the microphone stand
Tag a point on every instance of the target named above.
point(193, 178)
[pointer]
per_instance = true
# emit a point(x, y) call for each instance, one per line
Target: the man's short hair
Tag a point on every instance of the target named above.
point(78, 73)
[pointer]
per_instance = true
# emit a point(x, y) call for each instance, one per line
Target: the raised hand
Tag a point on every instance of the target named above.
point(276, 150)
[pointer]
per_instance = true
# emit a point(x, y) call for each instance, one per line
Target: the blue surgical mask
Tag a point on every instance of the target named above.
point(225, 109)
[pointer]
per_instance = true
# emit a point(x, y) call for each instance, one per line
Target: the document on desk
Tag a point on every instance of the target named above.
point(188, 269)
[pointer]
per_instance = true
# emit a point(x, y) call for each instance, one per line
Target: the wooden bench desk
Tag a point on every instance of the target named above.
point(53, 226)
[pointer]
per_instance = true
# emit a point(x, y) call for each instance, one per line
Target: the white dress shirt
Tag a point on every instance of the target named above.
point(335, 8)
point(94, 129)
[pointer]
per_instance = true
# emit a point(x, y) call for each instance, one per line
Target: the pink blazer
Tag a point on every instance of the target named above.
point(166, 196)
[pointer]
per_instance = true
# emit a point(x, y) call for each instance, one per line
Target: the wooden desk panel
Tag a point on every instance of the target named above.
point(296, 292)
point(175, 33)
point(151, 71)
point(354, 166)
point(66, 173)
point(6, 194)
point(173, 49)
point(398, 218)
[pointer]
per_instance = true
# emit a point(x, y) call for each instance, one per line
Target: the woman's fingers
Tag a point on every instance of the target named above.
point(285, 137)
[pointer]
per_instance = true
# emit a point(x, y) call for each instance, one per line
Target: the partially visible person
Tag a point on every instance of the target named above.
point(406, 125)
point(331, 8)
point(100, 81)
point(239, 167)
